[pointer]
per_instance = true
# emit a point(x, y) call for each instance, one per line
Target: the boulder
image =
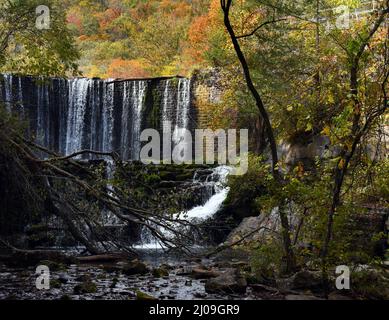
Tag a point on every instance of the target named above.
point(259, 229)
point(160, 272)
point(134, 267)
point(300, 281)
point(230, 281)
point(200, 273)
point(88, 286)
point(144, 296)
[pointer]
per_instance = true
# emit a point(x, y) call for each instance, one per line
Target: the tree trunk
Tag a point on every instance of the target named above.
point(290, 258)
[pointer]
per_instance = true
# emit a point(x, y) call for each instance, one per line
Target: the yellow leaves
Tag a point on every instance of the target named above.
point(326, 131)
point(341, 163)
point(330, 98)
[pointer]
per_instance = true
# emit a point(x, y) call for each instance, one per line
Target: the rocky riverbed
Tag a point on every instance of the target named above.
point(123, 280)
point(155, 275)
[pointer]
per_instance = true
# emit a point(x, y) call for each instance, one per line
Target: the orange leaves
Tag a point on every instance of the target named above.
point(120, 68)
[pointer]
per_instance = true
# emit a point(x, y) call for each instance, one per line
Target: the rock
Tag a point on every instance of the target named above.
point(250, 228)
point(188, 283)
point(144, 296)
point(301, 297)
point(199, 273)
point(134, 267)
point(87, 286)
point(230, 281)
point(63, 278)
point(200, 295)
point(55, 283)
point(337, 296)
point(301, 280)
point(160, 272)
point(53, 265)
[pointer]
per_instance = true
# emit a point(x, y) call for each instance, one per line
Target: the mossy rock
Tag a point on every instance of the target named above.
point(55, 283)
point(135, 267)
point(144, 296)
point(53, 265)
point(160, 272)
point(86, 287)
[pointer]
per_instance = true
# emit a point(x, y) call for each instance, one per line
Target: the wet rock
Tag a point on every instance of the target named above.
point(200, 295)
point(230, 281)
point(144, 296)
point(188, 283)
point(301, 297)
point(135, 267)
point(53, 265)
point(199, 273)
point(160, 272)
point(63, 278)
point(55, 283)
point(87, 286)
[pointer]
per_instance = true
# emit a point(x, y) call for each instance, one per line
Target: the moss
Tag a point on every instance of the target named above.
point(143, 296)
point(135, 267)
point(152, 178)
point(160, 272)
point(55, 284)
point(87, 286)
point(53, 265)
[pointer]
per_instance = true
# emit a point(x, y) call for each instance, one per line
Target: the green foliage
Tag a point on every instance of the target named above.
point(28, 50)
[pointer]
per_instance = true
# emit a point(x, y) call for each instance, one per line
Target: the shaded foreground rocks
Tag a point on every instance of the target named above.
point(301, 280)
point(134, 267)
point(203, 273)
point(230, 281)
point(26, 258)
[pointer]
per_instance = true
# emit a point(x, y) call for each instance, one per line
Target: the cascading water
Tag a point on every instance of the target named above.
point(215, 193)
point(138, 97)
point(68, 115)
point(78, 93)
point(182, 110)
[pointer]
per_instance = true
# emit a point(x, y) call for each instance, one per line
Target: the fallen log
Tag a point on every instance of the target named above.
point(108, 257)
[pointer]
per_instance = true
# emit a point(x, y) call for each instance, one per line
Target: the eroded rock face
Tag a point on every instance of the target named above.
point(230, 281)
point(260, 228)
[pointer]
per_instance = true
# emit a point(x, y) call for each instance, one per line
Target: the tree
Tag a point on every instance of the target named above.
point(26, 49)
point(290, 259)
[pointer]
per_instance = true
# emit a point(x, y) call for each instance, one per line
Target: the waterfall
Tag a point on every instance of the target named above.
point(78, 90)
point(69, 115)
point(166, 104)
point(108, 105)
point(43, 125)
point(182, 110)
point(125, 138)
point(8, 91)
point(138, 97)
point(215, 182)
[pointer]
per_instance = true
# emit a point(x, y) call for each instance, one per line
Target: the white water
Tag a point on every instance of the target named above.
point(215, 181)
point(182, 111)
point(138, 97)
point(78, 90)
